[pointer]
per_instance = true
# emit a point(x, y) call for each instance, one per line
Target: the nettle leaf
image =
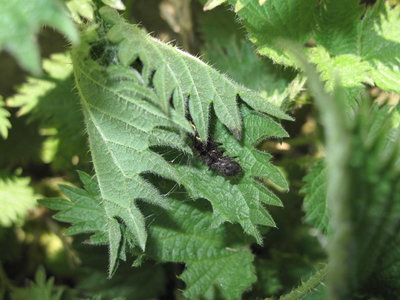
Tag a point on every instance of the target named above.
point(351, 69)
point(40, 288)
point(243, 200)
point(122, 124)
point(289, 19)
point(5, 124)
point(347, 40)
point(238, 59)
point(315, 204)
point(128, 114)
point(21, 20)
point(52, 101)
point(230, 53)
point(218, 260)
point(16, 199)
point(362, 46)
point(86, 211)
point(185, 78)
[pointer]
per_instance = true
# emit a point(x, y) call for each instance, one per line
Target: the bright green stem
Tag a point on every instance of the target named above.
point(308, 286)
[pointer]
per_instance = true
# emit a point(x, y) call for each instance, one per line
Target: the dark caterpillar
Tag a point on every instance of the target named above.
point(214, 157)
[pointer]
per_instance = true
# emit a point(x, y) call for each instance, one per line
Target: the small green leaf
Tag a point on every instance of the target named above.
point(229, 53)
point(172, 69)
point(40, 289)
point(52, 101)
point(128, 114)
point(288, 19)
point(315, 204)
point(88, 213)
point(21, 20)
point(4, 121)
point(242, 201)
point(121, 127)
point(343, 38)
point(218, 262)
point(16, 199)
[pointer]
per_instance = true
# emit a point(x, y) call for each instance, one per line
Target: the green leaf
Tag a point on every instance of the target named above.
point(88, 213)
point(345, 39)
point(243, 200)
point(4, 121)
point(52, 101)
point(218, 261)
point(40, 289)
point(125, 118)
point(235, 56)
point(16, 199)
point(121, 127)
point(349, 68)
point(315, 204)
point(58, 69)
point(287, 19)
point(370, 39)
point(177, 74)
point(21, 20)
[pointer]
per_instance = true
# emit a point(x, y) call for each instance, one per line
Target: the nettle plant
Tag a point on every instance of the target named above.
point(177, 165)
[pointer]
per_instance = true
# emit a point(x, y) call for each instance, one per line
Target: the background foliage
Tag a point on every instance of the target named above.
point(103, 196)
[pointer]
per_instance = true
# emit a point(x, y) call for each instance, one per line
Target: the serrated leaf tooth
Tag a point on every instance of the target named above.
point(266, 196)
point(261, 168)
point(100, 238)
point(114, 238)
point(164, 85)
point(73, 193)
point(55, 203)
point(262, 217)
point(89, 183)
point(252, 230)
point(259, 103)
point(263, 127)
point(81, 227)
point(200, 114)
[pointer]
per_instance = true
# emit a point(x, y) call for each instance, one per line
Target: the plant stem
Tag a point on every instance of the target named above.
point(307, 287)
